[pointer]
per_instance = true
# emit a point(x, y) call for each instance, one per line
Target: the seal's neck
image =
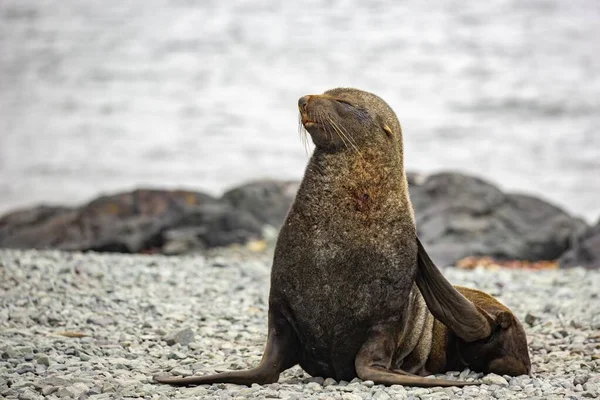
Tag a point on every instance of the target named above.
point(371, 182)
point(369, 168)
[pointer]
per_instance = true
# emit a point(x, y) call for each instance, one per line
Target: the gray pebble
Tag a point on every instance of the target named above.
point(420, 392)
point(329, 381)
point(183, 337)
point(580, 379)
point(493, 379)
point(181, 372)
point(28, 394)
point(120, 357)
point(43, 359)
point(176, 355)
point(381, 395)
point(73, 391)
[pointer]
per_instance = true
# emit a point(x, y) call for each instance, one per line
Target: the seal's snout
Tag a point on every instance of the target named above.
point(302, 103)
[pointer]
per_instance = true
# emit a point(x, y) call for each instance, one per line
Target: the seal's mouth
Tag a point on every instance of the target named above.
point(305, 116)
point(308, 122)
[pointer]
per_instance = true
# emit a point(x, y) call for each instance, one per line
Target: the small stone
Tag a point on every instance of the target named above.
point(43, 359)
point(420, 392)
point(183, 336)
point(314, 386)
point(56, 381)
point(493, 379)
point(176, 355)
point(29, 394)
point(10, 352)
point(24, 350)
point(48, 390)
point(351, 396)
point(94, 391)
point(73, 391)
point(368, 384)
point(381, 395)
point(317, 379)
point(24, 368)
point(580, 379)
point(100, 320)
point(329, 381)
point(84, 357)
point(108, 387)
point(181, 372)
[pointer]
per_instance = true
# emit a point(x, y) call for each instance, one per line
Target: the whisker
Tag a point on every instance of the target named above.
point(337, 131)
point(325, 126)
point(303, 134)
point(342, 132)
point(348, 137)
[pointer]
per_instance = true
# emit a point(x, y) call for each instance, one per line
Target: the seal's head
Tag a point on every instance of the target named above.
point(504, 350)
point(346, 118)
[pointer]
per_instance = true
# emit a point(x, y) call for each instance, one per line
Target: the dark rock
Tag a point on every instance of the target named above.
point(268, 200)
point(212, 225)
point(459, 216)
point(585, 252)
point(531, 319)
point(128, 222)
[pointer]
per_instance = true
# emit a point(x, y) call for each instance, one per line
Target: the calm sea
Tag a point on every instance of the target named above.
point(100, 96)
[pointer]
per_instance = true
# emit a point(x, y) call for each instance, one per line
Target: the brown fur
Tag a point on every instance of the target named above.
point(343, 301)
point(505, 353)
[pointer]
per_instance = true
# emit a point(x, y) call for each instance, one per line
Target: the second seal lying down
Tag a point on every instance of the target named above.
point(353, 291)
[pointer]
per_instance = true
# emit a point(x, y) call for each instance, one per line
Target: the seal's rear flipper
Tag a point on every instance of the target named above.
point(447, 304)
point(374, 362)
point(383, 376)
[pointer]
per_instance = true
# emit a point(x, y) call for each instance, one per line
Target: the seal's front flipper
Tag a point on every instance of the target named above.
point(279, 355)
point(374, 362)
point(447, 304)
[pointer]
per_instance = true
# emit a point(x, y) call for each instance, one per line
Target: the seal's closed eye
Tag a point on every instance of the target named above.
point(344, 102)
point(360, 113)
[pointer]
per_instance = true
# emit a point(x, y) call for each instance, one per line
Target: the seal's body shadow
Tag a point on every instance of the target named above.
point(353, 291)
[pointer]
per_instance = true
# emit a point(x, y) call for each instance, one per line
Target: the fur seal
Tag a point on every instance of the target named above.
point(349, 274)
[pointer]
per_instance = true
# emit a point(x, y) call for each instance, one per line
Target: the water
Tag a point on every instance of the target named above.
point(100, 96)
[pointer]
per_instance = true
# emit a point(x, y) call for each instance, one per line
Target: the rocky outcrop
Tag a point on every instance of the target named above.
point(133, 222)
point(585, 251)
point(457, 216)
point(268, 200)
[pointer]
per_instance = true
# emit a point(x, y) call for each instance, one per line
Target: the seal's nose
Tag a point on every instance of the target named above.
point(302, 102)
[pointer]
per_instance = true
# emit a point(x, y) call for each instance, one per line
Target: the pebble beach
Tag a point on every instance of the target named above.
point(99, 326)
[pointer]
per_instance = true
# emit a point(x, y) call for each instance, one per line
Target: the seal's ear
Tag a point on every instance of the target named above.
point(504, 319)
point(447, 304)
point(387, 130)
point(385, 127)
